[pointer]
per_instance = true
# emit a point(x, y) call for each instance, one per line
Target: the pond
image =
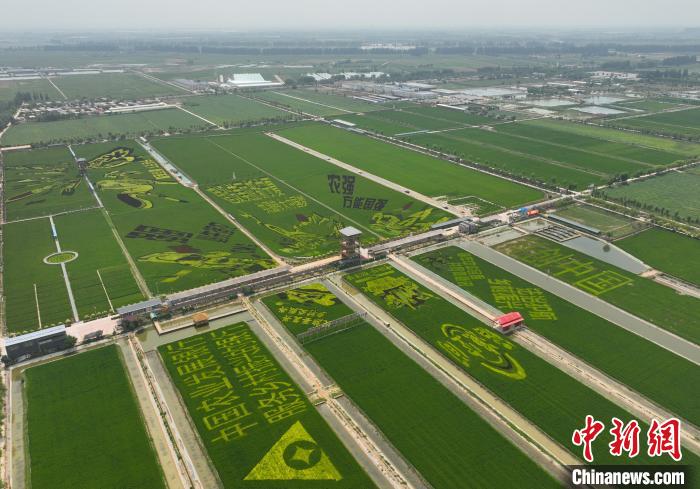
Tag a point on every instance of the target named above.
point(613, 255)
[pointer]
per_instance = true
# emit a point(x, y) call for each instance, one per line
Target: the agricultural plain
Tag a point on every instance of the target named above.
point(258, 427)
point(396, 393)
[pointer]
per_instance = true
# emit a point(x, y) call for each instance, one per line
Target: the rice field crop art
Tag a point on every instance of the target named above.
point(530, 384)
point(397, 394)
point(42, 182)
point(640, 296)
point(600, 343)
point(177, 239)
point(294, 202)
point(258, 427)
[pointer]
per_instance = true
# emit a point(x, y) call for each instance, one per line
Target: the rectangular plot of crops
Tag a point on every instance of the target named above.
point(582, 333)
point(84, 427)
point(257, 425)
point(177, 239)
point(409, 168)
point(42, 182)
point(294, 202)
point(103, 127)
point(640, 296)
point(35, 291)
point(432, 428)
point(511, 372)
point(99, 274)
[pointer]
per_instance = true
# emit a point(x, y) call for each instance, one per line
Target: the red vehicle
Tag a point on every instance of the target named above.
point(508, 322)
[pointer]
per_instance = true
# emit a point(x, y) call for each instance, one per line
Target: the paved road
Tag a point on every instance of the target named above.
point(510, 423)
point(625, 320)
point(151, 417)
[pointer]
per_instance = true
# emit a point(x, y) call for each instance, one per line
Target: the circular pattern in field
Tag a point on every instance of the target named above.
point(60, 257)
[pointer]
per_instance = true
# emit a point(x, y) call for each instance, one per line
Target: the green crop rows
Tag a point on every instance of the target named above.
point(129, 86)
point(101, 127)
point(28, 280)
point(258, 427)
point(100, 273)
point(83, 424)
point(528, 383)
point(602, 344)
point(43, 182)
point(669, 252)
point(449, 444)
point(676, 123)
point(293, 202)
point(409, 168)
point(177, 240)
point(232, 109)
point(640, 296)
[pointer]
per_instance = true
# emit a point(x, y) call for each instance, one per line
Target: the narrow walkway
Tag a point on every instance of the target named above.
point(56, 87)
point(196, 115)
point(457, 211)
point(69, 289)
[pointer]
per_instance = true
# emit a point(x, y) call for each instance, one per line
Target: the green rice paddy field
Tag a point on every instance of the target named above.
point(670, 252)
point(295, 203)
point(102, 126)
point(10, 88)
point(549, 156)
point(100, 275)
point(640, 296)
point(25, 246)
point(528, 383)
point(126, 86)
point(317, 103)
point(257, 426)
point(177, 239)
point(687, 150)
point(42, 182)
point(681, 123)
point(28, 243)
point(409, 168)
point(233, 109)
point(396, 394)
point(675, 191)
point(417, 118)
point(587, 336)
point(83, 424)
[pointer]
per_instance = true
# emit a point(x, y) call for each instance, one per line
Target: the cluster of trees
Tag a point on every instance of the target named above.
point(647, 207)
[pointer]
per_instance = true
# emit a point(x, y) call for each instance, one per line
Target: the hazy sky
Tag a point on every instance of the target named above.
point(349, 14)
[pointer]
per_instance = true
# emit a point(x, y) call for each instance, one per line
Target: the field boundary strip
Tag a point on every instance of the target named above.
point(315, 103)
